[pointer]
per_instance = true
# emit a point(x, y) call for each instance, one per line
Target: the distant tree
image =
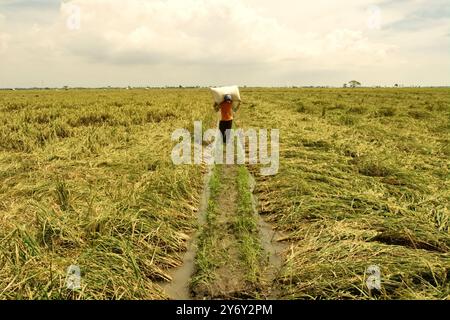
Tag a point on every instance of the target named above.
point(354, 84)
point(345, 85)
point(396, 85)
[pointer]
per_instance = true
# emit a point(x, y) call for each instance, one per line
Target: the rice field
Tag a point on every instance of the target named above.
point(87, 179)
point(363, 180)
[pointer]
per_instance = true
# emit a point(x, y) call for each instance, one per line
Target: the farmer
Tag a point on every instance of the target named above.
point(226, 121)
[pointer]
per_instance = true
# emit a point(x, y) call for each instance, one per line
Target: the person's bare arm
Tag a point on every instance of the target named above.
point(237, 106)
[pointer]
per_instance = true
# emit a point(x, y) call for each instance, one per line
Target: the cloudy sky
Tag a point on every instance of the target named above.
point(218, 42)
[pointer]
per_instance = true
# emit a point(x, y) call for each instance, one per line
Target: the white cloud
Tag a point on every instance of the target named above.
point(196, 31)
point(4, 37)
point(258, 39)
point(4, 41)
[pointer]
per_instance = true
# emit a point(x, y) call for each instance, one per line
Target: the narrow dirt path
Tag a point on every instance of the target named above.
point(239, 255)
point(227, 278)
point(235, 253)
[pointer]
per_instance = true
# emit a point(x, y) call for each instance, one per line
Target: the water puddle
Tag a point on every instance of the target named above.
point(269, 241)
point(178, 288)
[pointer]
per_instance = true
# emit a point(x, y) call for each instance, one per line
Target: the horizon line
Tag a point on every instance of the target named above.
point(212, 86)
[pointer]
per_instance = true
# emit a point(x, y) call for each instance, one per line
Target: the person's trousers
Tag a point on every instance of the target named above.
point(223, 127)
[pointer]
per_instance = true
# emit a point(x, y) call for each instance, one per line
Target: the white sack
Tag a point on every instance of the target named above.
point(219, 93)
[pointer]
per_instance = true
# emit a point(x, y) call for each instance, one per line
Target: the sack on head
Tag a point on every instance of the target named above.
point(219, 93)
